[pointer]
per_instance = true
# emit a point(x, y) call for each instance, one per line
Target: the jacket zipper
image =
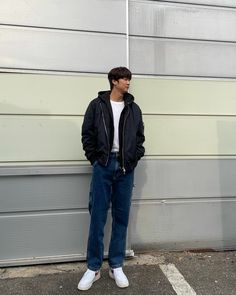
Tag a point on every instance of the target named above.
point(123, 153)
point(105, 127)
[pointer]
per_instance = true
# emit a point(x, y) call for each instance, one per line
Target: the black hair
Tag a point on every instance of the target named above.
point(118, 73)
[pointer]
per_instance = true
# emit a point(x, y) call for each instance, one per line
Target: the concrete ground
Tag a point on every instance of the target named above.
point(166, 273)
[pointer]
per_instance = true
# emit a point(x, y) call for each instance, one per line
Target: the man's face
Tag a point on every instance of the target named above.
point(122, 85)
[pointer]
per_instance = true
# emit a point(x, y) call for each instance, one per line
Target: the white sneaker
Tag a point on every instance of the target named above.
point(88, 279)
point(120, 278)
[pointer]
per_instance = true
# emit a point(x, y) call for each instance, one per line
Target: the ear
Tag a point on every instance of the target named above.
point(114, 82)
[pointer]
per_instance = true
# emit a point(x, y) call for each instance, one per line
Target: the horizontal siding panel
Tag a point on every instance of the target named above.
point(172, 224)
point(150, 18)
point(31, 138)
point(227, 3)
point(58, 50)
point(44, 192)
point(38, 138)
point(70, 95)
point(48, 94)
point(155, 56)
point(186, 135)
point(157, 180)
point(166, 96)
point(184, 225)
point(92, 15)
point(180, 178)
point(33, 236)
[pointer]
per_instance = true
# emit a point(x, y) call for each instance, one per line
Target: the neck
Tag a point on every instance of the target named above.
point(116, 95)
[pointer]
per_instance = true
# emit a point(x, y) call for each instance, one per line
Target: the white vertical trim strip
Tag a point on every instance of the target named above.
point(127, 33)
point(176, 279)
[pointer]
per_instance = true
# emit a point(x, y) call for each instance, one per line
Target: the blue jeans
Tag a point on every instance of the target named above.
point(108, 186)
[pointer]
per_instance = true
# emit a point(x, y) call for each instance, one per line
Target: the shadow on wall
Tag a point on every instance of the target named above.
point(227, 181)
point(184, 204)
point(140, 179)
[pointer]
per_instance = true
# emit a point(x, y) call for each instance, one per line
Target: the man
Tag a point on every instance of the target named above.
point(112, 137)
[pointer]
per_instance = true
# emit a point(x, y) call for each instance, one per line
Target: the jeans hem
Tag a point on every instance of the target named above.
point(92, 268)
point(116, 266)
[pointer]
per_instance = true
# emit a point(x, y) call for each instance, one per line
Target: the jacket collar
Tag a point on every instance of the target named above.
point(105, 96)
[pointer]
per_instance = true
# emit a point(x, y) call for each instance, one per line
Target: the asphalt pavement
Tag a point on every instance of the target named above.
point(163, 273)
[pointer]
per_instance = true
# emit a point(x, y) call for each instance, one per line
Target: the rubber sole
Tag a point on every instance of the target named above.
point(117, 283)
point(97, 277)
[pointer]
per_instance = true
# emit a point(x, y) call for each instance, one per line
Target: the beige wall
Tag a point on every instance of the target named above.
point(41, 116)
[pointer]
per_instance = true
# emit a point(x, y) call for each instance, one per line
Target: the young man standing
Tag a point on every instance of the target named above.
point(112, 137)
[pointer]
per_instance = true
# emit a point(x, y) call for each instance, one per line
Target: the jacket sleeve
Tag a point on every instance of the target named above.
point(140, 138)
point(88, 134)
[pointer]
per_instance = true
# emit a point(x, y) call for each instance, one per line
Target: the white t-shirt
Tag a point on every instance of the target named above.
point(117, 107)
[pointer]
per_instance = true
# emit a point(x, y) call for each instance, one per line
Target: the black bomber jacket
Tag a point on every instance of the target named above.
point(98, 131)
